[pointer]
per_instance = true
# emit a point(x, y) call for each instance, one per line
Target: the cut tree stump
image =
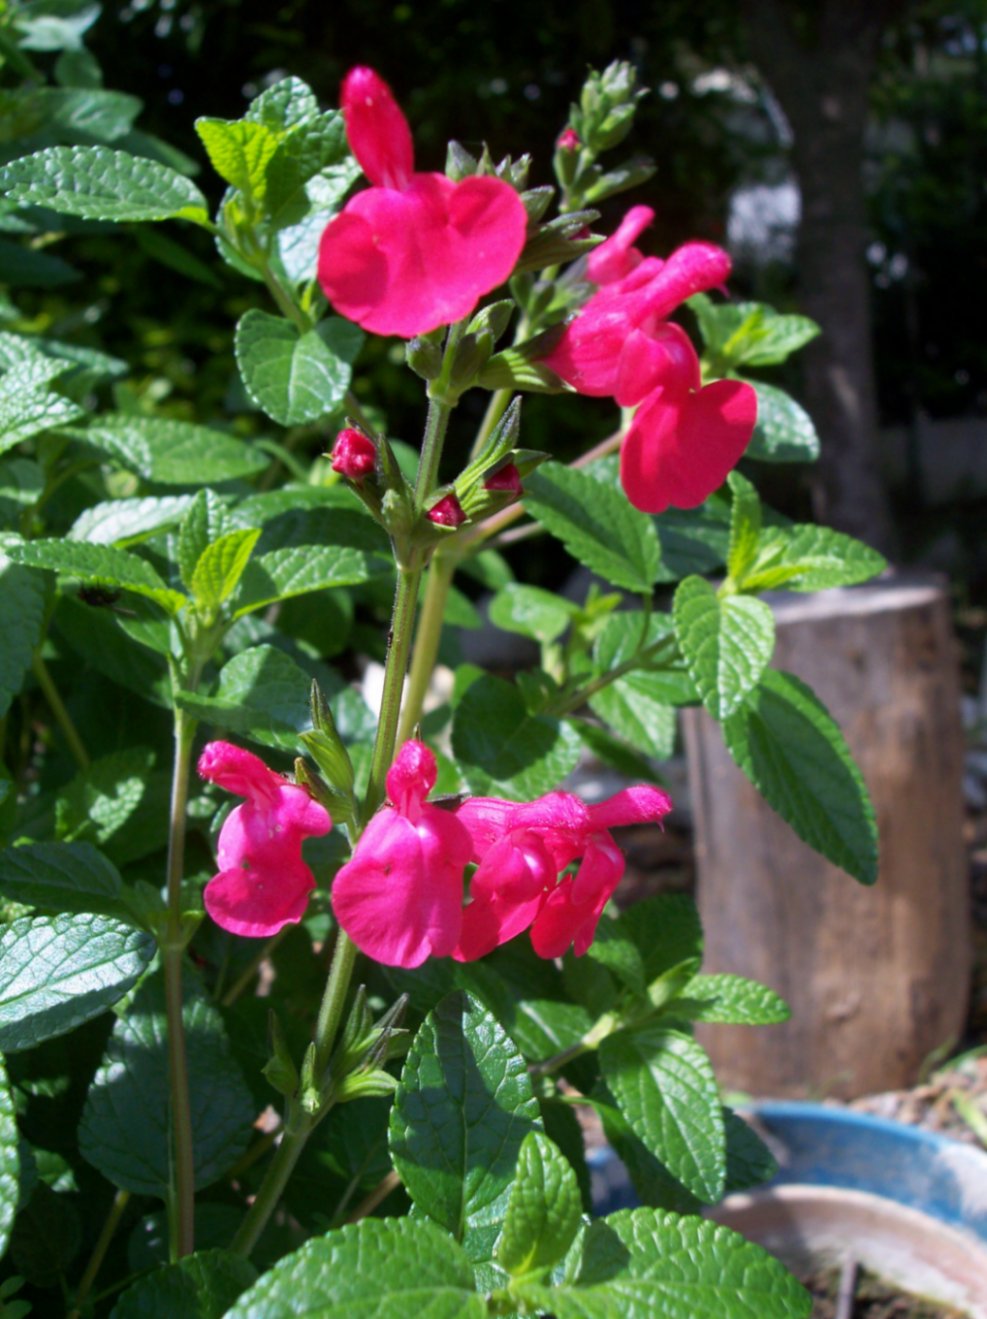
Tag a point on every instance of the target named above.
point(877, 978)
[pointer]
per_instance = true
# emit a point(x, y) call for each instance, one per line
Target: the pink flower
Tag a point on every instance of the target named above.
point(414, 251)
point(684, 437)
point(263, 883)
point(447, 512)
point(400, 896)
point(522, 850)
point(568, 140)
point(353, 454)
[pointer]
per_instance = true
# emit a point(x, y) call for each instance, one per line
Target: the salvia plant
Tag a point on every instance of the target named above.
point(308, 998)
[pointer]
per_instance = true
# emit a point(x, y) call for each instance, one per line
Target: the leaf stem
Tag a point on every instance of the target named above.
point(120, 1201)
point(567, 704)
point(181, 1203)
point(62, 716)
point(427, 638)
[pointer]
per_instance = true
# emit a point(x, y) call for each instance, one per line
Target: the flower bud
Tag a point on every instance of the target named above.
point(507, 480)
point(354, 455)
point(568, 140)
point(448, 512)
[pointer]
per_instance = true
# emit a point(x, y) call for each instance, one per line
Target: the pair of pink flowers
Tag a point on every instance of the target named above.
point(416, 251)
point(400, 897)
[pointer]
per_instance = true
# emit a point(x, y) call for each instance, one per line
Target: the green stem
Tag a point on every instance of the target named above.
point(300, 1125)
point(62, 716)
point(496, 408)
point(567, 704)
point(251, 969)
point(99, 1251)
point(427, 638)
point(181, 1203)
point(285, 304)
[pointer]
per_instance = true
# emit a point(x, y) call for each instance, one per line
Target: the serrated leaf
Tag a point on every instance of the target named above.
point(46, 1237)
point(810, 558)
point(777, 337)
point(787, 743)
point(239, 152)
point(61, 877)
point(544, 1211)
point(102, 565)
point(381, 1268)
point(262, 694)
point(693, 540)
point(297, 570)
point(205, 521)
point(10, 1160)
point(502, 750)
point(287, 102)
point(124, 522)
point(59, 971)
point(171, 452)
point(462, 1109)
point(23, 594)
point(125, 1131)
point(26, 413)
point(531, 611)
point(97, 183)
point(107, 795)
point(220, 567)
point(613, 948)
point(727, 642)
point(630, 708)
point(201, 1286)
point(612, 751)
point(745, 526)
point(25, 267)
point(597, 525)
point(749, 1161)
point(85, 114)
point(295, 377)
point(650, 1264)
point(666, 931)
point(732, 1000)
point(784, 432)
point(664, 1083)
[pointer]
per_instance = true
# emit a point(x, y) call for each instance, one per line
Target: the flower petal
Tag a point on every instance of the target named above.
point(664, 359)
point(639, 804)
point(411, 778)
point(258, 902)
point(618, 256)
point(239, 771)
point(677, 452)
point(408, 262)
point(377, 131)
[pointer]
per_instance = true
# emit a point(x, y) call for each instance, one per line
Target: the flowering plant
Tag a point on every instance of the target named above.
point(390, 977)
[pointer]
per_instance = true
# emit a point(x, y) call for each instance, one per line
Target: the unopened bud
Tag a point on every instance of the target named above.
point(448, 512)
point(506, 480)
point(354, 455)
point(568, 140)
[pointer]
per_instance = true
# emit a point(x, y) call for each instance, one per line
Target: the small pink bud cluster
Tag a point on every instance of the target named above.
point(568, 140)
point(353, 455)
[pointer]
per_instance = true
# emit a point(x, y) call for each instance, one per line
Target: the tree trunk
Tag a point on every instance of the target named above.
point(819, 60)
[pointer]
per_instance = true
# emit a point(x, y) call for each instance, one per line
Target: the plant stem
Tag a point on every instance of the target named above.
point(251, 969)
point(181, 1204)
point(275, 1179)
point(334, 997)
point(62, 716)
point(567, 704)
point(111, 1224)
point(438, 581)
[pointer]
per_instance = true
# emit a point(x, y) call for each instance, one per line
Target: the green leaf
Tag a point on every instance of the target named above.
point(220, 567)
point(262, 694)
point(25, 267)
point(810, 558)
point(294, 377)
point(57, 877)
point(285, 104)
point(544, 1211)
point(502, 750)
point(10, 1159)
point(613, 948)
point(239, 152)
point(100, 564)
point(777, 338)
point(86, 114)
point(59, 971)
point(97, 183)
point(597, 525)
point(749, 1161)
point(532, 612)
point(789, 746)
point(297, 570)
point(784, 432)
point(46, 1237)
point(632, 710)
point(732, 1000)
point(612, 751)
point(381, 1268)
point(727, 642)
point(693, 540)
point(649, 1264)
point(666, 931)
point(25, 413)
point(201, 1286)
point(125, 1130)
point(745, 526)
point(106, 796)
point(462, 1109)
point(666, 1089)
point(24, 595)
point(171, 452)
point(124, 522)
point(205, 521)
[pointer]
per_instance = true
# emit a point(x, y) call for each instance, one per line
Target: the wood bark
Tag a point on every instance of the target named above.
point(819, 60)
point(877, 978)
